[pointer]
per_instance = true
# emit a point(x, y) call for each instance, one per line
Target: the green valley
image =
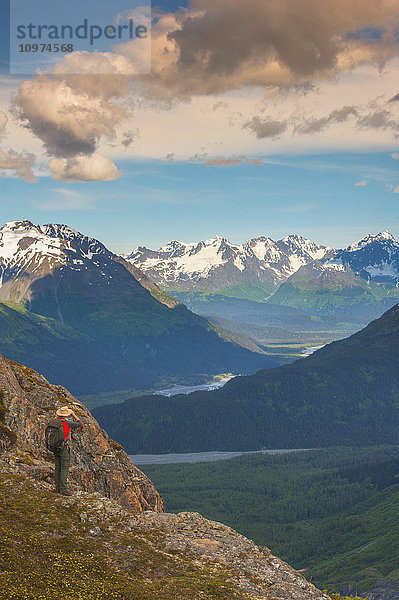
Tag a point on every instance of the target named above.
point(332, 512)
point(346, 393)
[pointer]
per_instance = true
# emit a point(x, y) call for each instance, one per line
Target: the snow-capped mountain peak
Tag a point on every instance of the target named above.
point(216, 262)
point(20, 239)
point(375, 257)
point(384, 236)
point(36, 251)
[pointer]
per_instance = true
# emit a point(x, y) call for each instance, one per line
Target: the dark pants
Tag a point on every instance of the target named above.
point(62, 460)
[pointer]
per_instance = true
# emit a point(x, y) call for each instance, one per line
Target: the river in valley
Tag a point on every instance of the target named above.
point(187, 389)
point(194, 457)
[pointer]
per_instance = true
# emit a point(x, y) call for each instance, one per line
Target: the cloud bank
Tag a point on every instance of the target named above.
point(213, 46)
point(221, 161)
point(206, 49)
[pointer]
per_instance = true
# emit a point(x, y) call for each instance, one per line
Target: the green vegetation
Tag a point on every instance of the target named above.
point(124, 343)
point(258, 292)
point(48, 553)
point(346, 393)
point(332, 512)
point(58, 352)
point(335, 293)
point(339, 597)
point(277, 322)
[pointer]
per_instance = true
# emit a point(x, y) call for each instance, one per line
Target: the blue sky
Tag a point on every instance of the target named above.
point(304, 143)
point(313, 195)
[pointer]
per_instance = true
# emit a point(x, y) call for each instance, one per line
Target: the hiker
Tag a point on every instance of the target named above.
point(61, 447)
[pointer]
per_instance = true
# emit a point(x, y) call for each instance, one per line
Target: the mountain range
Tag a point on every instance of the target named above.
point(216, 265)
point(293, 272)
point(346, 393)
point(67, 301)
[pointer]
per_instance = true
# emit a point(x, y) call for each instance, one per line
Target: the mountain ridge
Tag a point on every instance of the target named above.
point(345, 393)
point(116, 316)
point(264, 260)
point(260, 267)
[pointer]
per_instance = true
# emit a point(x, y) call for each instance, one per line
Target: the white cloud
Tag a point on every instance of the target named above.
point(66, 199)
point(196, 59)
point(66, 192)
point(362, 183)
point(68, 122)
point(19, 164)
point(84, 168)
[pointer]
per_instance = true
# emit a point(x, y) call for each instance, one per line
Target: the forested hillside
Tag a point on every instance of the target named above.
point(332, 512)
point(347, 393)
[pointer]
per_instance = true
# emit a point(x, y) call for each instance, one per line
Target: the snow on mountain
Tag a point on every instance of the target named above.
point(37, 250)
point(374, 257)
point(29, 252)
point(369, 239)
point(216, 262)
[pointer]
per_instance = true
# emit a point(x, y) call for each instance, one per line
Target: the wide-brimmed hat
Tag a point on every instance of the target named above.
point(64, 411)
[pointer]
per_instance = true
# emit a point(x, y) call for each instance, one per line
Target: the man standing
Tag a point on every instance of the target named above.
point(63, 456)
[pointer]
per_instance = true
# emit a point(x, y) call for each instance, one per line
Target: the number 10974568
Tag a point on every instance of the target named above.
point(45, 47)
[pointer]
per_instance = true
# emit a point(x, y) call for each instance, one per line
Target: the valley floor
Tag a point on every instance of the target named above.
point(331, 512)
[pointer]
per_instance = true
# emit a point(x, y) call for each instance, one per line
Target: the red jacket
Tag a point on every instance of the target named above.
point(68, 425)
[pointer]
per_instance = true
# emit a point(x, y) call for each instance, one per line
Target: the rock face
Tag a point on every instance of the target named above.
point(152, 555)
point(256, 572)
point(98, 463)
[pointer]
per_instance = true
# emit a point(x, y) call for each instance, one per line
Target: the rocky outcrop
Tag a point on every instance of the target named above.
point(254, 570)
point(98, 463)
point(152, 555)
point(116, 511)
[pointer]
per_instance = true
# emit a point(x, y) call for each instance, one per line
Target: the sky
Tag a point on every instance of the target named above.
point(256, 118)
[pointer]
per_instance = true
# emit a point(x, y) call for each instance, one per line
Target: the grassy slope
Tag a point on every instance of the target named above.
point(334, 295)
point(318, 510)
point(126, 320)
point(48, 553)
point(59, 351)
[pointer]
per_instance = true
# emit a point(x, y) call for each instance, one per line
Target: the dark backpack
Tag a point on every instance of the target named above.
point(55, 435)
